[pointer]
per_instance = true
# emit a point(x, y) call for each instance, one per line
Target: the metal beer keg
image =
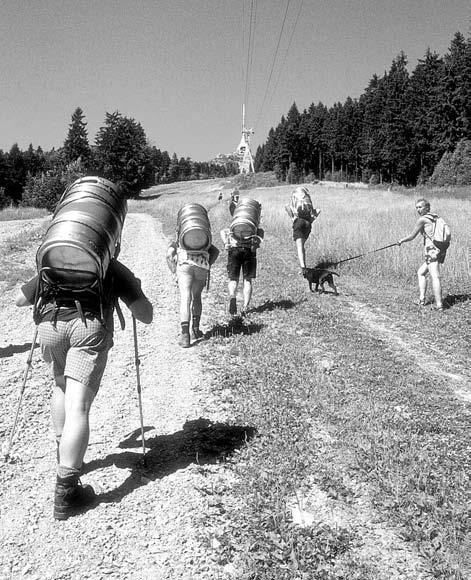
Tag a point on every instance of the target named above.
point(246, 219)
point(85, 231)
point(193, 227)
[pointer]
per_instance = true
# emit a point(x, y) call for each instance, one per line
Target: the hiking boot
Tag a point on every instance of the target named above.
point(184, 341)
point(197, 333)
point(232, 306)
point(71, 497)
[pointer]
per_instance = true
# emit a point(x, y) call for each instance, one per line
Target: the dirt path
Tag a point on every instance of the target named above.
point(146, 522)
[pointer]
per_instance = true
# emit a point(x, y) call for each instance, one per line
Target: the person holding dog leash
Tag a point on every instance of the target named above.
point(435, 252)
point(302, 214)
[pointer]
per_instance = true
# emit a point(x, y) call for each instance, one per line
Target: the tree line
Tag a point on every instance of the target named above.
point(397, 131)
point(121, 152)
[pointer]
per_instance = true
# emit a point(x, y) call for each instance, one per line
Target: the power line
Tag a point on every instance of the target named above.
point(286, 54)
point(274, 59)
point(252, 22)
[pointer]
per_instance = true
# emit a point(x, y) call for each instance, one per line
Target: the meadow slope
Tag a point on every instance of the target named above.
point(322, 437)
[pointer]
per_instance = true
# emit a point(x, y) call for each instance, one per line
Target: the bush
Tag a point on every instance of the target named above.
point(44, 190)
point(454, 168)
point(252, 180)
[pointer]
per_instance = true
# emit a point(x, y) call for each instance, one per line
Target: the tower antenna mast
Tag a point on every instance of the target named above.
point(243, 150)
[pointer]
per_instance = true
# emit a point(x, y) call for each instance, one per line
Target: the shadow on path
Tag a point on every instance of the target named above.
point(270, 305)
point(14, 349)
point(453, 299)
point(235, 326)
point(200, 441)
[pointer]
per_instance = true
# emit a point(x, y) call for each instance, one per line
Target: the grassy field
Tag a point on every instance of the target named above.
point(358, 407)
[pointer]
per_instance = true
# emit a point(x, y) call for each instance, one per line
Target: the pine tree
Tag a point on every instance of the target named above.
point(122, 153)
point(76, 145)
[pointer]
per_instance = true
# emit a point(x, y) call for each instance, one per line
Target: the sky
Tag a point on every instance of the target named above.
point(184, 68)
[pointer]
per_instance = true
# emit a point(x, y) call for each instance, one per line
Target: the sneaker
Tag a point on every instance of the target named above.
point(421, 302)
point(232, 306)
point(71, 497)
point(197, 333)
point(184, 340)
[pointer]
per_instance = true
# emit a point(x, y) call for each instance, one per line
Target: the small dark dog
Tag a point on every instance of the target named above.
point(319, 276)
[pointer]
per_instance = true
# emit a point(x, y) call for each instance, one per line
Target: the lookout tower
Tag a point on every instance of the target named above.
point(243, 152)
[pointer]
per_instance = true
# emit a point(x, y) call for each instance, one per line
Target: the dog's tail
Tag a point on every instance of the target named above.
point(329, 271)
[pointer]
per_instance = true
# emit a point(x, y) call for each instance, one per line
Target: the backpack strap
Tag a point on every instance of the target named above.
point(433, 218)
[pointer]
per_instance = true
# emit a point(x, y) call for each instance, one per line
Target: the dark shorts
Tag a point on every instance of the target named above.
point(301, 229)
point(241, 258)
point(435, 254)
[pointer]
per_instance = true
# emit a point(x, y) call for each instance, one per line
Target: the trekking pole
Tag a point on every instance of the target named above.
point(361, 255)
point(7, 446)
point(138, 378)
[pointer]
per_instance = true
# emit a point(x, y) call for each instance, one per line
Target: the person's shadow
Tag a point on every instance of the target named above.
point(453, 299)
point(270, 305)
point(235, 326)
point(14, 349)
point(200, 441)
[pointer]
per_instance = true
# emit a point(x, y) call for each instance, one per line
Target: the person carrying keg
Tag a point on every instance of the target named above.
point(242, 240)
point(73, 310)
point(190, 257)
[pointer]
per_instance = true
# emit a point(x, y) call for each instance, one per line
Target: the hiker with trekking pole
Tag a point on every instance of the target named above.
point(189, 258)
point(436, 238)
point(74, 296)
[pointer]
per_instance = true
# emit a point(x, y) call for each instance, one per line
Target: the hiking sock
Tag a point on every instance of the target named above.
point(70, 496)
point(185, 335)
point(65, 472)
point(195, 324)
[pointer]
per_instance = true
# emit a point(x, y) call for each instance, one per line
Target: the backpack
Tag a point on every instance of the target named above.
point(301, 203)
point(80, 243)
point(441, 234)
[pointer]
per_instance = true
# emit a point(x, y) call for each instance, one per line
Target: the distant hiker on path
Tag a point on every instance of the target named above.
point(234, 201)
point(190, 258)
point(75, 341)
point(302, 214)
point(436, 236)
point(241, 240)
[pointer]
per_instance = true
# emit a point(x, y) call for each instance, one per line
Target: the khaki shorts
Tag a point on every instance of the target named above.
point(76, 351)
point(189, 273)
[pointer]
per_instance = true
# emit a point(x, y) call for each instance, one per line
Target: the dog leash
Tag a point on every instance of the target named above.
point(361, 255)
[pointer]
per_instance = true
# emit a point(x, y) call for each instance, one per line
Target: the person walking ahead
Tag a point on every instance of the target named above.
point(192, 271)
point(75, 339)
point(241, 256)
point(434, 255)
point(302, 214)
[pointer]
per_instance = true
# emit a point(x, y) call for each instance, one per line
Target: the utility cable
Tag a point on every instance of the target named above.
point(274, 59)
point(284, 59)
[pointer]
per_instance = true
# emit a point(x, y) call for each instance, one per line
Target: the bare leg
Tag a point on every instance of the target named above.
point(185, 299)
point(57, 406)
point(301, 252)
point(232, 286)
point(76, 430)
point(247, 292)
point(422, 278)
point(434, 270)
